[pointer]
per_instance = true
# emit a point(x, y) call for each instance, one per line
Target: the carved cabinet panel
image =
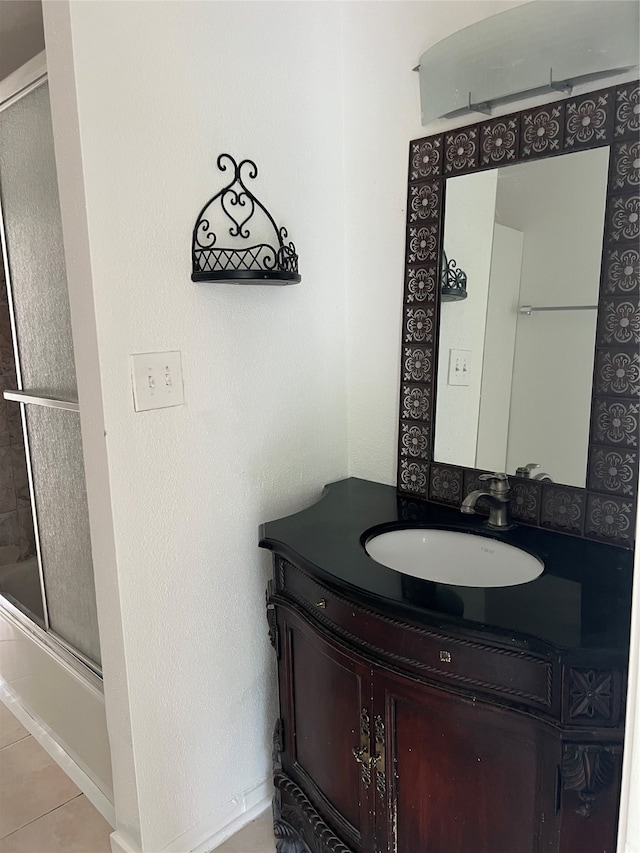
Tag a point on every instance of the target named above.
point(326, 730)
point(464, 775)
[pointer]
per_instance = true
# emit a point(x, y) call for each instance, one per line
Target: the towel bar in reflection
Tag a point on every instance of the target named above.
point(530, 309)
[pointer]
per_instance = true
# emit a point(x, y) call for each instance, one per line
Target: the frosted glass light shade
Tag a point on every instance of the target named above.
point(524, 49)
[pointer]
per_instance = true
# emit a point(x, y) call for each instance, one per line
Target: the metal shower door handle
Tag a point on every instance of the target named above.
point(36, 400)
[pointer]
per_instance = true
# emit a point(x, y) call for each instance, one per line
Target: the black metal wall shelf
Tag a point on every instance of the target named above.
point(271, 260)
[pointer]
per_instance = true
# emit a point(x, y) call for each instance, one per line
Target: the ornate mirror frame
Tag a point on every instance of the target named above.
point(606, 508)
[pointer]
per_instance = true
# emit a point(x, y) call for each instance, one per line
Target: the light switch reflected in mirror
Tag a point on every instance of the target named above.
point(529, 236)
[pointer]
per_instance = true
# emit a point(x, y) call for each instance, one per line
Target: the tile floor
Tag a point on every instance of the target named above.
point(42, 810)
point(256, 837)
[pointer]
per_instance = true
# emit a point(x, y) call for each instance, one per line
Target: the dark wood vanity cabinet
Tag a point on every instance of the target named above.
point(464, 775)
point(399, 737)
point(325, 713)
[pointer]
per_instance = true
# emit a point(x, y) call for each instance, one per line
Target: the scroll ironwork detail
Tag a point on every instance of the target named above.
point(234, 211)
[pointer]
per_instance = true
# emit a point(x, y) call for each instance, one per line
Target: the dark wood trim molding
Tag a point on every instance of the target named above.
point(300, 823)
point(544, 698)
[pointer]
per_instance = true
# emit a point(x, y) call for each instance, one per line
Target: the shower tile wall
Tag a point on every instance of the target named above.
point(17, 540)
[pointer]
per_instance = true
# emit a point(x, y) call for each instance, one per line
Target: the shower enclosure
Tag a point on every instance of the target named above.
point(46, 572)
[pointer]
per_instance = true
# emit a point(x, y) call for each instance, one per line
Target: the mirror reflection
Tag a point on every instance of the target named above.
point(516, 356)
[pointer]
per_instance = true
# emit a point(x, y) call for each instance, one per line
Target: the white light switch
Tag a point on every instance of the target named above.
point(157, 380)
point(459, 367)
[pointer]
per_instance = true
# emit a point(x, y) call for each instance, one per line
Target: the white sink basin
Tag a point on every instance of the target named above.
point(451, 557)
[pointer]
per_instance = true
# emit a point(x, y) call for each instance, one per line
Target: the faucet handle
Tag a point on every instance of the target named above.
point(498, 482)
point(525, 470)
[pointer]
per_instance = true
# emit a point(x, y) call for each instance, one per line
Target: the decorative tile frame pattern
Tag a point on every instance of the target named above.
point(606, 509)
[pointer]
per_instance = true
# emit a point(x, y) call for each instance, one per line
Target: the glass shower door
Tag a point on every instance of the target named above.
point(46, 389)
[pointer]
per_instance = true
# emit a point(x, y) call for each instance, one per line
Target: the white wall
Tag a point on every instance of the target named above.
point(162, 89)
point(468, 239)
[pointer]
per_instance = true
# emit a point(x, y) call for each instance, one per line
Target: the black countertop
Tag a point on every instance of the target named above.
point(582, 601)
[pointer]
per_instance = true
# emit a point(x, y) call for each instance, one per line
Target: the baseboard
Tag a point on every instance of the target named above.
point(47, 741)
point(221, 825)
point(121, 844)
point(60, 702)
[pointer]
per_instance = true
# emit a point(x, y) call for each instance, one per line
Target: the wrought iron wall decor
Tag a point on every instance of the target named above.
point(606, 508)
point(270, 260)
point(454, 281)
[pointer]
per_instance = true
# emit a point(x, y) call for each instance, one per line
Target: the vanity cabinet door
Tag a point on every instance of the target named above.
point(462, 775)
point(325, 696)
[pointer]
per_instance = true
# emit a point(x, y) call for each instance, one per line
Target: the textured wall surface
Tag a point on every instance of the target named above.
point(162, 89)
point(286, 388)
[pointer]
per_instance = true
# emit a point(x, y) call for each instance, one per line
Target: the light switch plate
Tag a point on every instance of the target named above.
point(157, 380)
point(459, 367)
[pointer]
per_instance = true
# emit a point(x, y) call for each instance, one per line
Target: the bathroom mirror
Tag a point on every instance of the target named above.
point(516, 356)
point(593, 413)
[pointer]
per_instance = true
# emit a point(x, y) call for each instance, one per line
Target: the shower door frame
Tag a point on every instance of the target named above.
point(28, 78)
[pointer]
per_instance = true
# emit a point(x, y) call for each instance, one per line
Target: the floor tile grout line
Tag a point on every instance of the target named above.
point(44, 814)
point(17, 740)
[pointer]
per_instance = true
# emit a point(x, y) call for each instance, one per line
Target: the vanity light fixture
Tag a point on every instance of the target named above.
point(453, 281)
point(267, 258)
point(530, 49)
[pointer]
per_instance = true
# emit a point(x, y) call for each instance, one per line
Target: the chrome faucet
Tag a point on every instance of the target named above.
point(497, 494)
